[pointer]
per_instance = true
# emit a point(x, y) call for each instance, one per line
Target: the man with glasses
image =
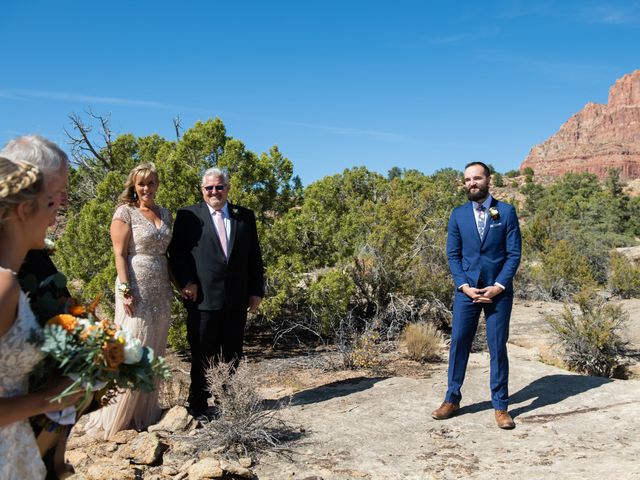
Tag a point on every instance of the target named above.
point(216, 260)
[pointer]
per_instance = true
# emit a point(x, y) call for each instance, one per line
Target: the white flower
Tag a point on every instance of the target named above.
point(150, 354)
point(133, 348)
point(49, 245)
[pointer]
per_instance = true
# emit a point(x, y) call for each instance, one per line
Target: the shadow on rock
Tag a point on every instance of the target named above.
point(545, 391)
point(333, 390)
point(553, 389)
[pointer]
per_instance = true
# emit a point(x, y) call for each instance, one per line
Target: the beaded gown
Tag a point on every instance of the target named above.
point(19, 454)
point(151, 289)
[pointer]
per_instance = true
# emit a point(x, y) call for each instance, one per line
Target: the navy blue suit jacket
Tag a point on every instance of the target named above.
point(494, 257)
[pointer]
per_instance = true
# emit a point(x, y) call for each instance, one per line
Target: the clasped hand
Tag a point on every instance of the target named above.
point(482, 295)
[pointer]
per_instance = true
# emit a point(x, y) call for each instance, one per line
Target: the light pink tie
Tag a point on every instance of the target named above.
point(222, 232)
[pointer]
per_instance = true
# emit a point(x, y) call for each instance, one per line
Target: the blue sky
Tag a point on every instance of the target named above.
point(335, 84)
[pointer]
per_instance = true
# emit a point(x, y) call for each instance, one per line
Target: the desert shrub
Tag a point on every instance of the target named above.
point(177, 339)
point(528, 174)
point(512, 173)
point(589, 334)
point(360, 349)
point(245, 425)
point(328, 299)
point(422, 340)
point(624, 276)
point(526, 285)
point(562, 271)
point(498, 180)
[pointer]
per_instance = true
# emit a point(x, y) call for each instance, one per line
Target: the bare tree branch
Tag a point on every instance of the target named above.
point(177, 125)
point(83, 143)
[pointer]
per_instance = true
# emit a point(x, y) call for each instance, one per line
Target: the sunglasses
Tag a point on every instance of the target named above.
point(217, 188)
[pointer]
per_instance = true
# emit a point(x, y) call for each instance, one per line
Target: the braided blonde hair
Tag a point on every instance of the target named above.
point(128, 196)
point(19, 182)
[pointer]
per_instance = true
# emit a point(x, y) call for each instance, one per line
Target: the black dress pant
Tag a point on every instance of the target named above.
point(214, 336)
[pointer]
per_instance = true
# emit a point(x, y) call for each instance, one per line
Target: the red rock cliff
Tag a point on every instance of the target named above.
point(596, 138)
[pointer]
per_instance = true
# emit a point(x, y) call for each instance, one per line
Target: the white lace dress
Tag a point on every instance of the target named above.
point(19, 455)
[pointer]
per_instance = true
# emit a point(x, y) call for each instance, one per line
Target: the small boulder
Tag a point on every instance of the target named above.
point(177, 419)
point(235, 469)
point(108, 470)
point(145, 449)
point(123, 436)
point(205, 468)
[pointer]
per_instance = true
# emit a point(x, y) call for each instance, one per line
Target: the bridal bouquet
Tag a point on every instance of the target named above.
point(96, 354)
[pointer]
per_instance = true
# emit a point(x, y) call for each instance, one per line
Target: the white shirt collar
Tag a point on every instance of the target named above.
point(224, 210)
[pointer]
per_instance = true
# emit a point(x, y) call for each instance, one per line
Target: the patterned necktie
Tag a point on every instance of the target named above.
point(222, 231)
point(481, 219)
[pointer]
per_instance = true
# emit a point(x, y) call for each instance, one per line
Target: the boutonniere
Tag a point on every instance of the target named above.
point(49, 246)
point(235, 211)
point(495, 214)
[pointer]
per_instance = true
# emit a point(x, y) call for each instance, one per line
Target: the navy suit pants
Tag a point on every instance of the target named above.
point(465, 323)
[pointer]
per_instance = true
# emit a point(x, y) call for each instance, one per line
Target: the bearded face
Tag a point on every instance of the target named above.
point(477, 193)
point(476, 183)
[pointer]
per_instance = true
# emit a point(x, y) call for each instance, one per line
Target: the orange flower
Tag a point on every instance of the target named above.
point(92, 308)
point(88, 330)
point(113, 353)
point(66, 321)
point(108, 327)
point(76, 310)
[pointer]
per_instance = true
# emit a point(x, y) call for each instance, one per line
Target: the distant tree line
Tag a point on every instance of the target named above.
point(350, 251)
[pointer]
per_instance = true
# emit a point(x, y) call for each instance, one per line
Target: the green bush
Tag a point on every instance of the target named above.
point(498, 180)
point(328, 300)
point(562, 271)
point(590, 335)
point(624, 276)
point(177, 339)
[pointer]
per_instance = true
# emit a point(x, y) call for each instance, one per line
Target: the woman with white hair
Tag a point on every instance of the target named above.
point(26, 210)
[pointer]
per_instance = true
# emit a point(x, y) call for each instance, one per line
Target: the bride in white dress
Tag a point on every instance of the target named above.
point(26, 210)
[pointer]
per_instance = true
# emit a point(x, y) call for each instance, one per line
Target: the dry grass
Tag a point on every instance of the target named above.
point(245, 425)
point(422, 341)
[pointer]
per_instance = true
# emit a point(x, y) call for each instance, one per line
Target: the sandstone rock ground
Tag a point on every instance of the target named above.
point(362, 426)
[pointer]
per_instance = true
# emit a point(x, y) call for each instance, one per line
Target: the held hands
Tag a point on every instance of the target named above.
point(190, 291)
point(55, 387)
point(482, 295)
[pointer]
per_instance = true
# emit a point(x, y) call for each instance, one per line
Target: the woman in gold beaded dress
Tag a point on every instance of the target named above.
point(140, 233)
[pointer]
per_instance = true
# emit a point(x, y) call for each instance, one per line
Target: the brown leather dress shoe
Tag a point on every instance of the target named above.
point(446, 410)
point(504, 420)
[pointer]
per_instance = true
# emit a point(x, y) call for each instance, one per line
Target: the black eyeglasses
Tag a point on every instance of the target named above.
point(218, 188)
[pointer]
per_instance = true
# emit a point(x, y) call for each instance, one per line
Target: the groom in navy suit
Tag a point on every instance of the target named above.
point(483, 248)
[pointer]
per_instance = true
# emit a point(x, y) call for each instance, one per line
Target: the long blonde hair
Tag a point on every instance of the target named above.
point(128, 196)
point(19, 182)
